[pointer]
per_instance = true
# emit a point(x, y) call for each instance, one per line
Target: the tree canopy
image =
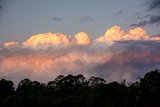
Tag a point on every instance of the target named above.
point(77, 91)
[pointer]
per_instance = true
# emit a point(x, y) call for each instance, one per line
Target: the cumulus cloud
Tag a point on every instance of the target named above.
point(82, 38)
point(52, 39)
point(116, 33)
point(45, 64)
point(132, 54)
point(11, 43)
point(47, 39)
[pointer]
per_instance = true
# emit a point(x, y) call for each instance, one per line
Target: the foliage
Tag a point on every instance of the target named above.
point(77, 91)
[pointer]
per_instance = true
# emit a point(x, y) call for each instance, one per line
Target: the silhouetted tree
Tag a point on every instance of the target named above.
point(133, 95)
point(6, 89)
point(93, 81)
point(28, 93)
point(76, 91)
point(150, 89)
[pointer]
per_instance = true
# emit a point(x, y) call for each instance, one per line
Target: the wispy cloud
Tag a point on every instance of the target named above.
point(57, 19)
point(153, 6)
point(119, 12)
point(1, 8)
point(154, 19)
point(84, 19)
point(142, 23)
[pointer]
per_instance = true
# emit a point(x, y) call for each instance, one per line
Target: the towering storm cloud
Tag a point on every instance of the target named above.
point(116, 55)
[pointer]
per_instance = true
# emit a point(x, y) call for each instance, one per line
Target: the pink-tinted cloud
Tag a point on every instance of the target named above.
point(11, 43)
point(132, 54)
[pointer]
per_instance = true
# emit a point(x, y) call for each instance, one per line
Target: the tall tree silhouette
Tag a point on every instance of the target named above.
point(77, 91)
point(150, 89)
point(6, 89)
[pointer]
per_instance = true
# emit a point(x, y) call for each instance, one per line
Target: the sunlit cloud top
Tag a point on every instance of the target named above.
point(116, 55)
point(115, 33)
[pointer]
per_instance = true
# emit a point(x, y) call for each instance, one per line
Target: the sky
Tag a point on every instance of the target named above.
point(112, 39)
point(19, 19)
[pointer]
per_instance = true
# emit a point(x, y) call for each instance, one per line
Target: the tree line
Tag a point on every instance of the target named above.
point(77, 91)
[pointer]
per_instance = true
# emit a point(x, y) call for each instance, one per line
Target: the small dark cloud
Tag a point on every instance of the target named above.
point(119, 12)
point(144, 17)
point(142, 23)
point(147, 16)
point(84, 19)
point(57, 19)
point(1, 8)
point(3, 3)
point(153, 6)
point(152, 20)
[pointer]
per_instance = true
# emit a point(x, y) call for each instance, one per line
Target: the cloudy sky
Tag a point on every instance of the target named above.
point(112, 39)
point(19, 19)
